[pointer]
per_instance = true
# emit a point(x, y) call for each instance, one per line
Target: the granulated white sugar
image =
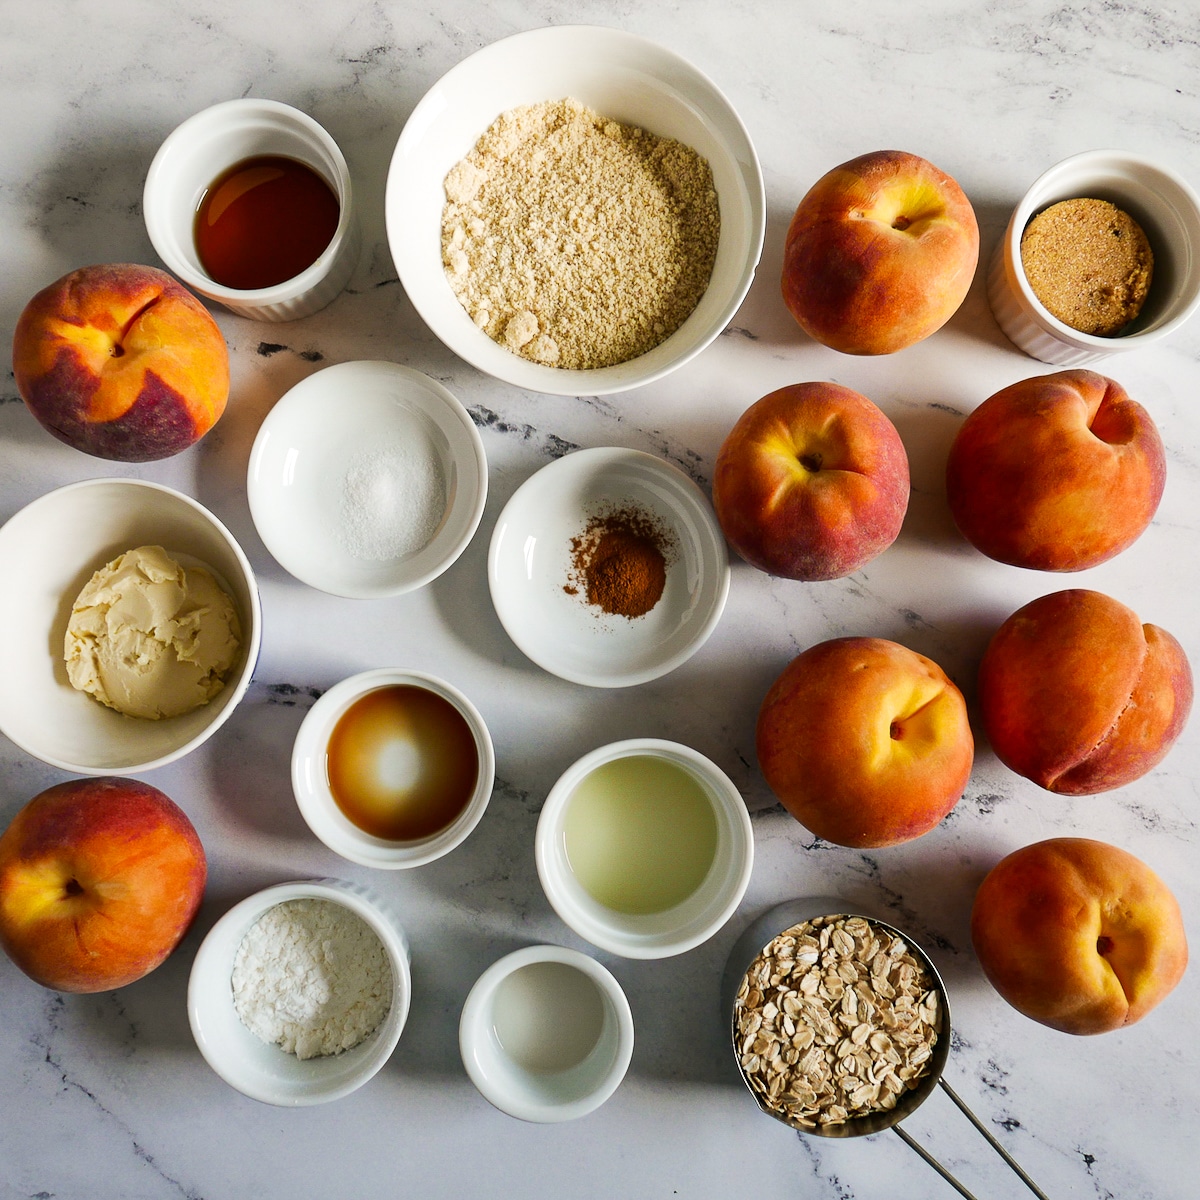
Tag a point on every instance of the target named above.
point(393, 500)
point(311, 977)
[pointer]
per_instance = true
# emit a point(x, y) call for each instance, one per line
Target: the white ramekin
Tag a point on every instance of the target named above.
point(310, 780)
point(265, 1072)
point(687, 924)
point(1161, 203)
point(207, 144)
point(545, 1096)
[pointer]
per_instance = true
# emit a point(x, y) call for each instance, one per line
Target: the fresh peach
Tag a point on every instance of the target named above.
point(122, 362)
point(1058, 472)
point(1079, 696)
point(99, 880)
point(880, 253)
point(865, 741)
point(811, 483)
point(1078, 935)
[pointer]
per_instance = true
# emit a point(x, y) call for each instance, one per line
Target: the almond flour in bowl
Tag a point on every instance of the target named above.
point(576, 241)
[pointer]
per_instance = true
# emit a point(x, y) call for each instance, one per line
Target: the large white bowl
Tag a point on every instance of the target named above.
point(50, 549)
point(529, 562)
point(624, 77)
point(312, 437)
point(265, 1072)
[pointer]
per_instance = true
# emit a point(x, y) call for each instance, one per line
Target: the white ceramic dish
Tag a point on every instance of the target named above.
point(1165, 207)
point(310, 780)
point(689, 923)
point(529, 563)
point(265, 1072)
point(342, 420)
point(205, 146)
point(536, 1093)
point(50, 549)
point(624, 77)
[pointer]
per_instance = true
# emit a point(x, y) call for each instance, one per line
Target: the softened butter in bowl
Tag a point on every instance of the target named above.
point(150, 637)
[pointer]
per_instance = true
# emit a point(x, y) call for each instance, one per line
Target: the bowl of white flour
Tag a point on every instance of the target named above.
point(299, 993)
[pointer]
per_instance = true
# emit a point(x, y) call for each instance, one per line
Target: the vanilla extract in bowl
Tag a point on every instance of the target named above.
point(264, 221)
point(402, 763)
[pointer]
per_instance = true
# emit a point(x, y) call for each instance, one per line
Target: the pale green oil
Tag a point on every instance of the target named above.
point(640, 834)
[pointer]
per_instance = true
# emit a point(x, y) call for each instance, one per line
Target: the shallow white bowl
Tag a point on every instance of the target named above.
point(529, 562)
point(265, 1072)
point(317, 432)
point(50, 549)
point(1166, 208)
point(550, 1095)
point(621, 76)
point(310, 779)
point(687, 924)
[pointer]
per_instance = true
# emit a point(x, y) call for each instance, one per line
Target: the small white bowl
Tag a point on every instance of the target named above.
point(310, 779)
point(50, 549)
point(266, 1072)
point(674, 930)
point(529, 564)
point(197, 152)
point(1166, 208)
point(512, 1016)
point(623, 77)
point(344, 419)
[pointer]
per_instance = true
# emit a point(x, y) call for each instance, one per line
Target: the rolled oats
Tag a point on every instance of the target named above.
point(835, 1019)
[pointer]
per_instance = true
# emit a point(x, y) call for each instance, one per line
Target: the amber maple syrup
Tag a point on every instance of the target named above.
point(402, 763)
point(263, 221)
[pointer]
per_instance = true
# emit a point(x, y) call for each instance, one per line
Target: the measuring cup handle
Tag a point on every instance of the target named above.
point(995, 1145)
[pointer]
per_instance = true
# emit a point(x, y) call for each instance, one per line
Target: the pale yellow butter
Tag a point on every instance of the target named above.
point(149, 638)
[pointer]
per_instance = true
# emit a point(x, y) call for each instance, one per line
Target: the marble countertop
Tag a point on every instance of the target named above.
point(106, 1096)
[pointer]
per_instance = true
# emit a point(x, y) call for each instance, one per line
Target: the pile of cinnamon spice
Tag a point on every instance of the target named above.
point(619, 562)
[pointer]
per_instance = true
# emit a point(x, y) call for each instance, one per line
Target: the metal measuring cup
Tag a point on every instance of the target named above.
point(782, 917)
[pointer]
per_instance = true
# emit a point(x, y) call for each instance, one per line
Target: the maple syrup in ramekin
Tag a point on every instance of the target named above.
point(402, 763)
point(264, 221)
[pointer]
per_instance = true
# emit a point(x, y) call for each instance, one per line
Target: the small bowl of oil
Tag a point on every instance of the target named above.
point(393, 768)
point(546, 1034)
point(644, 848)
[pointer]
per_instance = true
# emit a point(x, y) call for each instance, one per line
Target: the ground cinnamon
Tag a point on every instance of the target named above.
point(620, 563)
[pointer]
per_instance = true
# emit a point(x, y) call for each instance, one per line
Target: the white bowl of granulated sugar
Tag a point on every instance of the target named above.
point(298, 994)
point(367, 479)
point(575, 210)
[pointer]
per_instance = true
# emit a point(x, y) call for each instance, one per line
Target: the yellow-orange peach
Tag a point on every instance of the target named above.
point(122, 362)
point(1078, 934)
point(99, 880)
point(1079, 696)
point(1058, 472)
point(812, 482)
point(865, 742)
point(880, 253)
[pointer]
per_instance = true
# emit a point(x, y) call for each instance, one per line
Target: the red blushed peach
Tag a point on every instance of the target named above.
point(880, 253)
point(1058, 473)
point(865, 742)
point(1079, 696)
point(121, 362)
point(99, 880)
point(1078, 935)
point(811, 483)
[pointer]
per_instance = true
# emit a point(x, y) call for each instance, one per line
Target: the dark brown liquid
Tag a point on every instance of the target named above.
point(402, 763)
point(264, 221)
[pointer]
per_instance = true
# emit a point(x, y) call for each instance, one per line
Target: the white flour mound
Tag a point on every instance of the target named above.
point(312, 977)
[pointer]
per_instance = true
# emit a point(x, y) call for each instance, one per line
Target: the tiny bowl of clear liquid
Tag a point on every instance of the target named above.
point(546, 1034)
point(644, 848)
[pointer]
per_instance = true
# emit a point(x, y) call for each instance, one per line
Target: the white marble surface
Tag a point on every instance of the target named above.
point(106, 1096)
